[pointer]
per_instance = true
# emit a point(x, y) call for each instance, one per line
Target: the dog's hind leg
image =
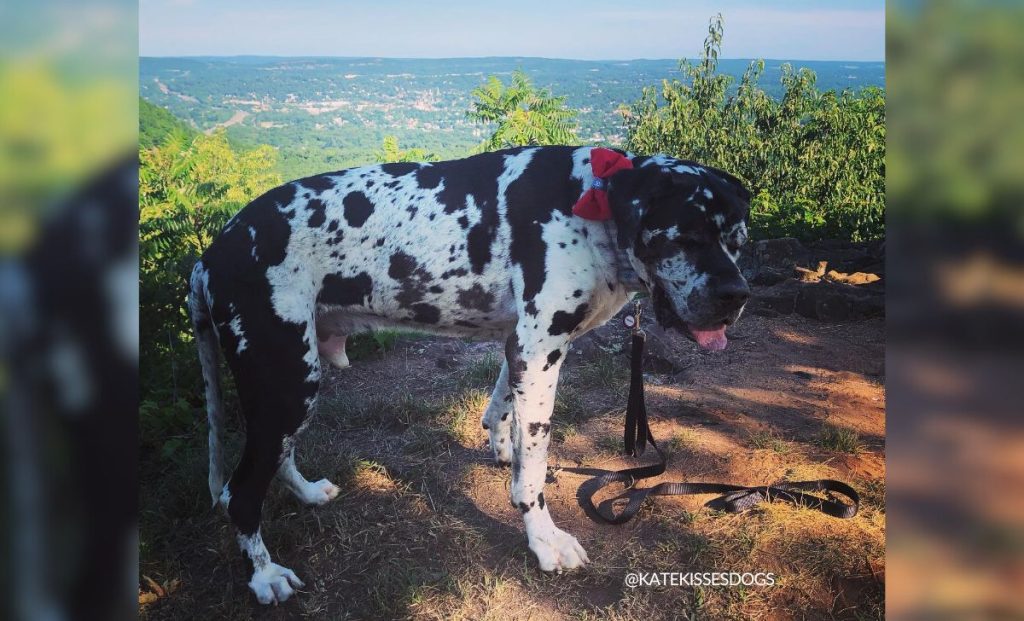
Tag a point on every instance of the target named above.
point(497, 419)
point(277, 373)
point(310, 493)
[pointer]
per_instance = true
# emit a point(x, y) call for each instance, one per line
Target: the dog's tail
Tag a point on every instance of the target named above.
point(209, 358)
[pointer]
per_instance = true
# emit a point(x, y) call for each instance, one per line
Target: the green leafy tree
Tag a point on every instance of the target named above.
point(522, 113)
point(390, 152)
point(189, 186)
point(814, 161)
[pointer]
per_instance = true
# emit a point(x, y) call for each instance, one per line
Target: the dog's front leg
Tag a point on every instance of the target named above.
point(533, 363)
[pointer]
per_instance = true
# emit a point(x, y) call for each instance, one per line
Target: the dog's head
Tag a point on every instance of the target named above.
point(682, 225)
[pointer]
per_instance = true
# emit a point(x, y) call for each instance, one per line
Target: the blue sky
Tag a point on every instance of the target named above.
point(584, 29)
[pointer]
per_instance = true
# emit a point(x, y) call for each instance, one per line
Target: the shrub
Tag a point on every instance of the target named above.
point(815, 162)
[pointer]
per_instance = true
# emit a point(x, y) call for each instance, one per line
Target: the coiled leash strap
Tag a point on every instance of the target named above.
point(734, 498)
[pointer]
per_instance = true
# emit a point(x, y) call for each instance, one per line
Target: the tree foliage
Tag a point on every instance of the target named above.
point(155, 123)
point(814, 161)
point(522, 113)
point(189, 186)
point(390, 152)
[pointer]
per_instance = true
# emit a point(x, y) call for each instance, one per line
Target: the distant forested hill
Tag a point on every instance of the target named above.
point(155, 124)
point(329, 113)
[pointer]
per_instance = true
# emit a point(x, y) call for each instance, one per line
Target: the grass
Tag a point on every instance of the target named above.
point(611, 445)
point(680, 441)
point(569, 405)
point(483, 372)
point(462, 414)
point(371, 344)
point(605, 371)
point(839, 439)
point(561, 432)
point(769, 440)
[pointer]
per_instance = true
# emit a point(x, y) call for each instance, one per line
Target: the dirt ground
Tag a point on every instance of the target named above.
point(424, 529)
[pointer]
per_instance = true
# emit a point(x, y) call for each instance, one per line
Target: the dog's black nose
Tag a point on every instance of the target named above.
point(733, 294)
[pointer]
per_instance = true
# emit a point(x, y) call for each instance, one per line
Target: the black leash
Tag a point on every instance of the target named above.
point(734, 498)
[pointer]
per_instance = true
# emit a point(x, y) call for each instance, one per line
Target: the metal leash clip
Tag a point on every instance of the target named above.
point(633, 321)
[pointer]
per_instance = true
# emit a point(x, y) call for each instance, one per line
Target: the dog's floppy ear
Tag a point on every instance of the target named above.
point(732, 182)
point(633, 193)
point(629, 194)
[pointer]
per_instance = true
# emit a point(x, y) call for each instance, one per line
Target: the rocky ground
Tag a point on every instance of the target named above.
point(423, 528)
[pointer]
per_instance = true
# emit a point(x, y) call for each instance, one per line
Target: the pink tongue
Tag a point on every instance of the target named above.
point(711, 340)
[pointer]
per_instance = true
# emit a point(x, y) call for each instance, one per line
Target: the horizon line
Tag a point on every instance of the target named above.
point(585, 60)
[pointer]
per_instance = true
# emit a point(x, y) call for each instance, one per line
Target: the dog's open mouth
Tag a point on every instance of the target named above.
point(708, 338)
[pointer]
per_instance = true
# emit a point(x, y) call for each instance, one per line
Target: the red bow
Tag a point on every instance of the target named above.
point(593, 205)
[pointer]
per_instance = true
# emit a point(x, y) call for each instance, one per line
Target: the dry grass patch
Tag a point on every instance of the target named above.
point(840, 439)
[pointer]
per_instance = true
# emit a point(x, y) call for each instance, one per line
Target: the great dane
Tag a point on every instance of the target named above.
point(488, 246)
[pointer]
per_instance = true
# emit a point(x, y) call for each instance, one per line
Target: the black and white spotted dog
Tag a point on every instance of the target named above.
point(485, 246)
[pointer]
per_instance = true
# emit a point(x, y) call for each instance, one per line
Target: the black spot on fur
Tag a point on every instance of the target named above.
point(531, 309)
point(436, 289)
point(317, 216)
point(564, 323)
point(540, 500)
point(525, 507)
point(514, 359)
point(428, 177)
point(536, 428)
point(357, 209)
point(333, 226)
point(505, 415)
point(399, 169)
point(317, 183)
point(413, 280)
point(553, 358)
point(425, 313)
point(356, 290)
point(476, 297)
point(380, 242)
point(455, 272)
point(577, 293)
point(402, 266)
point(463, 222)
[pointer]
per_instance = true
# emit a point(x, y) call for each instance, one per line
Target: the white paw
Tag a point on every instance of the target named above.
point(274, 584)
point(319, 493)
point(557, 550)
